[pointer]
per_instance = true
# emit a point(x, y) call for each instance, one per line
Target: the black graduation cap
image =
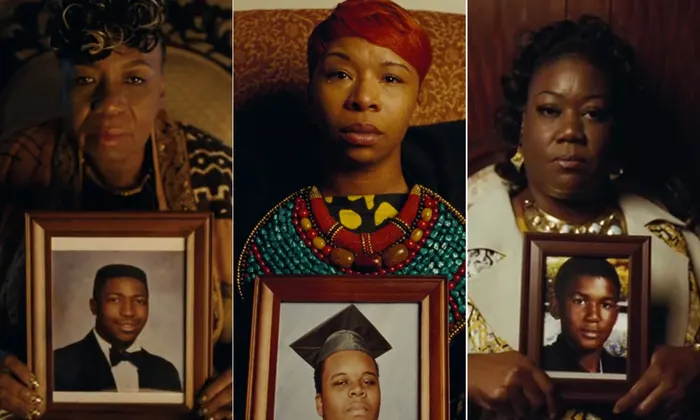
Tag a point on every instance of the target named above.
point(346, 330)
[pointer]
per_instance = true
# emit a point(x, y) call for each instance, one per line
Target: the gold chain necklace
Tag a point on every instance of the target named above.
point(537, 220)
point(117, 191)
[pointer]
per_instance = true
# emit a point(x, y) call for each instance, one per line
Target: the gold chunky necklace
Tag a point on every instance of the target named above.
point(537, 220)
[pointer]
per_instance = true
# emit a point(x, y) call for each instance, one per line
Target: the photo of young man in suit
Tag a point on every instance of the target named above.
point(109, 357)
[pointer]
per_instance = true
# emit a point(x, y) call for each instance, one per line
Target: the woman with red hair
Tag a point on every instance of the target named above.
point(367, 63)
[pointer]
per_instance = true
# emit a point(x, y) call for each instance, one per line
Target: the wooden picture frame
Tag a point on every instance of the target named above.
point(53, 240)
point(634, 251)
point(428, 293)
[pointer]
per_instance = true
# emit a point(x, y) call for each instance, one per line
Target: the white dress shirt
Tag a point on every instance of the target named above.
point(125, 374)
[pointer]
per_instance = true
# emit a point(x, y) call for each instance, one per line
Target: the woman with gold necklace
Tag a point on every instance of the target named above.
point(570, 104)
point(367, 62)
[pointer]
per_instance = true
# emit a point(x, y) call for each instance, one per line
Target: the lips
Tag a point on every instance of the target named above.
point(361, 134)
point(128, 327)
point(357, 408)
point(590, 334)
point(111, 134)
point(570, 162)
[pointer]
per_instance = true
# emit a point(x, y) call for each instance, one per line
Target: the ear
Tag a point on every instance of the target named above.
point(421, 97)
point(319, 405)
point(161, 100)
point(93, 307)
point(554, 309)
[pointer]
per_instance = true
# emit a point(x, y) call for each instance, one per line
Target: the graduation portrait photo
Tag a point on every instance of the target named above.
point(345, 348)
point(121, 313)
point(346, 360)
point(585, 303)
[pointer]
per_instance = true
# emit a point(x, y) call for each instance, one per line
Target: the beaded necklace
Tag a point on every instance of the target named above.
point(299, 236)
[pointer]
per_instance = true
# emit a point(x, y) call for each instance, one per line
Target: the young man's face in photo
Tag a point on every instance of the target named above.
point(122, 310)
point(350, 387)
point(589, 311)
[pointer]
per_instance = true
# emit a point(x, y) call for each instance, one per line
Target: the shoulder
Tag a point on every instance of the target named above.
point(485, 186)
point(159, 362)
point(211, 169)
point(206, 151)
point(549, 350)
point(71, 350)
point(24, 154)
point(616, 364)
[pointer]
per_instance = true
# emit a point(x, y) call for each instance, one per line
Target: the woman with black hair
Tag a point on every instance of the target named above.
point(115, 150)
point(579, 163)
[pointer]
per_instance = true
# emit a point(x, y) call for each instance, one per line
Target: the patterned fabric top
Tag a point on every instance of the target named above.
point(365, 213)
point(276, 247)
point(211, 168)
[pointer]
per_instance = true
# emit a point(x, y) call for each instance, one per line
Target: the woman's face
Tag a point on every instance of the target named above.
point(114, 103)
point(363, 96)
point(567, 129)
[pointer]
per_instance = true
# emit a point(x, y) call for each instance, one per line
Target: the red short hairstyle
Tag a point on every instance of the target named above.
point(381, 22)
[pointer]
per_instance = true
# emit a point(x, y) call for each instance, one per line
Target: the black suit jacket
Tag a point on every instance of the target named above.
point(83, 367)
point(560, 356)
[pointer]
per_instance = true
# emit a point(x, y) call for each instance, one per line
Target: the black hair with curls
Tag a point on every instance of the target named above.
point(88, 30)
point(637, 129)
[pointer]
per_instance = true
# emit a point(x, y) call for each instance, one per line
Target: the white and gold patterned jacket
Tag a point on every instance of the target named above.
point(495, 266)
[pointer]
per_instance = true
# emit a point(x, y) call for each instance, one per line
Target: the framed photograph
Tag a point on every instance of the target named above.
point(119, 315)
point(349, 344)
point(585, 305)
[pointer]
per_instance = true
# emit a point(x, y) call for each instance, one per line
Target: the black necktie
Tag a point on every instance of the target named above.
point(117, 356)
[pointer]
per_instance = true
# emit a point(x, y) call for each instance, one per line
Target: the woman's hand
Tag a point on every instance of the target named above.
point(509, 384)
point(18, 389)
point(665, 383)
point(216, 401)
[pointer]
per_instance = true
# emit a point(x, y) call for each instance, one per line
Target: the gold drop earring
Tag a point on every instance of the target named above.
point(518, 159)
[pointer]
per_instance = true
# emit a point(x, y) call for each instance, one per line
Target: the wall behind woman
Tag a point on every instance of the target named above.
point(449, 6)
point(664, 33)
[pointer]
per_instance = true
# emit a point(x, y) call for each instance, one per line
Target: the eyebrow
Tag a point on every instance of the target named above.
point(364, 373)
point(588, 296)
point(561, 95)
point(346, 57)
point(395, 64)
point(123, 295)
point(138, 62)
point(133, 63)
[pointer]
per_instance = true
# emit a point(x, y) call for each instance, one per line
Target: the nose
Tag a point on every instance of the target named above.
point(109, 99)
point(364, 96)
point(357, 391)
point(572, 130)
point(593, 313)
point(127, 308)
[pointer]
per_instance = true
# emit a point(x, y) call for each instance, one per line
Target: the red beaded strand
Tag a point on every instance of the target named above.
point(317, 229)
point(451, 285)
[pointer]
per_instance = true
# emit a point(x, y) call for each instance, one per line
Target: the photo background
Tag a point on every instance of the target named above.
point(73, 278)
point(398, 368)
point(617, 343)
